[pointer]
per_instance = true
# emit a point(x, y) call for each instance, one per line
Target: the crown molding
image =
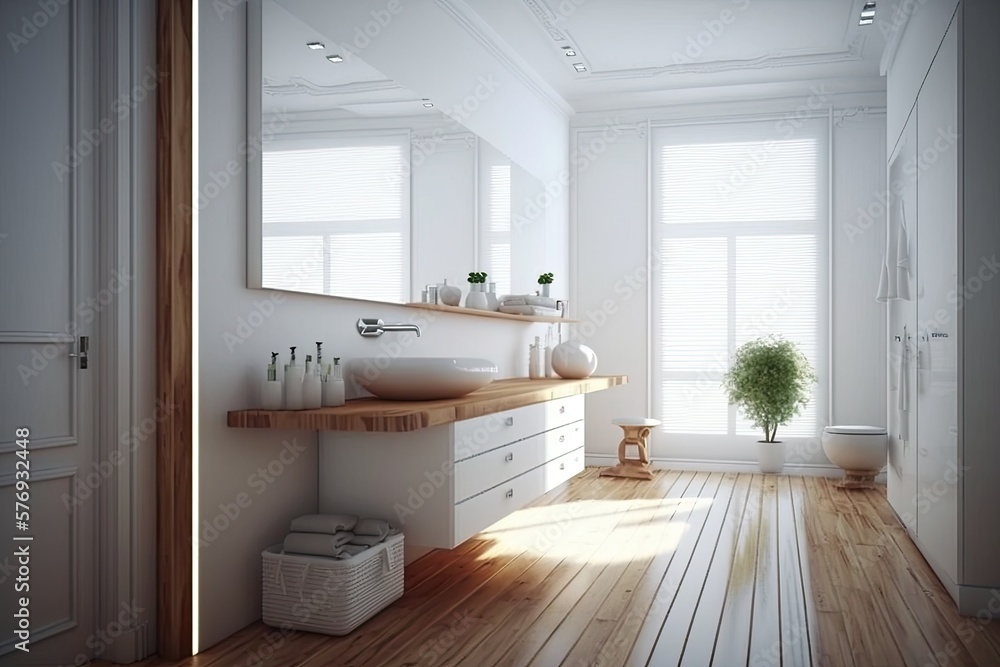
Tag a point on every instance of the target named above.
point(900, 19)
point(547, 18)
point(298, 85)
point(473, 24)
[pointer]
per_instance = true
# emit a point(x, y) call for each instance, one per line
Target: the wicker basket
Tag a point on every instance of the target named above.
point(327, 595)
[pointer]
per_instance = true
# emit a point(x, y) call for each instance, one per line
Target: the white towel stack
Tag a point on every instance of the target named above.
point(335, 535)
point(529, 304)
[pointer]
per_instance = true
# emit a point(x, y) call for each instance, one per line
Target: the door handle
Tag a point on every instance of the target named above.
point(84, 354)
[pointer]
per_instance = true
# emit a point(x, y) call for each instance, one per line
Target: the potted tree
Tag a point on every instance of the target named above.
point(771, 381)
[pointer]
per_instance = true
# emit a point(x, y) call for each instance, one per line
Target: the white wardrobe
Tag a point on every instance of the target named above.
point(943, 293)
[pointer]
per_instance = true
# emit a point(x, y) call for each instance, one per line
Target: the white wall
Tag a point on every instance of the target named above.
point(610, 273)
point(233, 461)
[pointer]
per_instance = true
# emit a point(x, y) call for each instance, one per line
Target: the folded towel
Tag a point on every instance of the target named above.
point(352, 550)
point(366, 540)
point(531, 310)
point(377, 527)
point(323, 523)
point(514, 301)
point(316, 544)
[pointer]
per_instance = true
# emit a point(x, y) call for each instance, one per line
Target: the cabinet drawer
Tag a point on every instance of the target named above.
point(481, 434)
point(485, 471)
point(563, 468)
point(482, 511)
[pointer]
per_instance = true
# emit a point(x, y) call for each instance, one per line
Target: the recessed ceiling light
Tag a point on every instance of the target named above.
point(579, 67)
point(570, 52)
point(335, 58)
point(867, 14)
point(316, 46)
point(428, 103)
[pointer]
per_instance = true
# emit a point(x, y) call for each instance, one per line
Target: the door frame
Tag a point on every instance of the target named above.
point(174, 327)
point(126, 414)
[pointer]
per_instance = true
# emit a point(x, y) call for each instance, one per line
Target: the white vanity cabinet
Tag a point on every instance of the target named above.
point(444, 484)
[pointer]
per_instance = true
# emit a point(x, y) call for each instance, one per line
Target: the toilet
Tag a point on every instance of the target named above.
point(860, 450)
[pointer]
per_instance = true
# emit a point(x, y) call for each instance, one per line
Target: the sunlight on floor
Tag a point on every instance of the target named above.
point(580, 530)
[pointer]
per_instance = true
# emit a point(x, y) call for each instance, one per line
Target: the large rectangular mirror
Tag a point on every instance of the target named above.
point(362, 188)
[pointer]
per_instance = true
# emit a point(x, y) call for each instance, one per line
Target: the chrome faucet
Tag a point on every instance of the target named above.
point(368, 326)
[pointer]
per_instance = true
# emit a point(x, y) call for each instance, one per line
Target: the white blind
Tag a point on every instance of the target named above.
point(495, 226)
point(336, 216)
point(740, 231)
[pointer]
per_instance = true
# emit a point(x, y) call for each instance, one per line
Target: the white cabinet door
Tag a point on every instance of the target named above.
point(938, 297)
point(902, 324)
point(48, 299)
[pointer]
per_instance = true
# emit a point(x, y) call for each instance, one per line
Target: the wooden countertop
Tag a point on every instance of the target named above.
point(376, 414)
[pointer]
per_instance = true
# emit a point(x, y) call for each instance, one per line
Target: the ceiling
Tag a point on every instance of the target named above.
point(636, 52)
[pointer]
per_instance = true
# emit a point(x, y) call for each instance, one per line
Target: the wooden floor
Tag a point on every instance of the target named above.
point(691, 569)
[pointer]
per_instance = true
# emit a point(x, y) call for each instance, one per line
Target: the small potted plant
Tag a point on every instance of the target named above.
point(545, 280)
point(476, 298)
point(771, 381)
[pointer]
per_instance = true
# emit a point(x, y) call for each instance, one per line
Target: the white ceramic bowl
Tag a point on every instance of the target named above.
point(421, 378)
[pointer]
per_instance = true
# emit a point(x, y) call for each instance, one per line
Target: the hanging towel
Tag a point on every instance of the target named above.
point(316, 544)
point(903, 258)
point(323, 523)
point(903, 395)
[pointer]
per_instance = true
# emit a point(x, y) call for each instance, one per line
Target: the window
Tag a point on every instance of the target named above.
point(336, 216)
point(740, 238)
point(495, 242)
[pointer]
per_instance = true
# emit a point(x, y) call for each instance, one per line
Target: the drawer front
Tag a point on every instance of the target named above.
point(475, 436)
point(563, 468)
point(479, 473)
point(562, 440)
point(481, 512)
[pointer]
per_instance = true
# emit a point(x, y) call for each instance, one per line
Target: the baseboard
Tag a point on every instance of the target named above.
point(979, 602)
point(701, 465)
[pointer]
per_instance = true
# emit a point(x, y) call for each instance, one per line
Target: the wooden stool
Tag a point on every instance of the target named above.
point(637, 429)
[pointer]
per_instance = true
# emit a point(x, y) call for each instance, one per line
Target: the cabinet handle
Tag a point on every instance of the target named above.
point(509, 457)
point(562, 466)
point(510, 493)
point(562, 438)
point(509, 421)
point(562, 409)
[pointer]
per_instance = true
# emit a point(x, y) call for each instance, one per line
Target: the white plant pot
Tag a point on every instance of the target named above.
point(771, 456)
point(476, 299)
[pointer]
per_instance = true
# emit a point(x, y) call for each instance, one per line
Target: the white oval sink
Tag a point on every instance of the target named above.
point(421, 378)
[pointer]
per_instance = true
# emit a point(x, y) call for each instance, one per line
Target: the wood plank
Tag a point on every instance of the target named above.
point(795, 648)
point(692, 514)
point(765, 633)
point(678, 634)
point(732, 645)
point(798, 508)
point(174, 333)
point(380, 415)
point(458, 310)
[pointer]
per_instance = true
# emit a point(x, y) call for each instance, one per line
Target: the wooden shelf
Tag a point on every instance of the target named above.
point(490, 313)
point(379, 415)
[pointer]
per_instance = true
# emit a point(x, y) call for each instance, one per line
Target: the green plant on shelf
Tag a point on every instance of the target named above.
point(477, 277)
point(545, 279)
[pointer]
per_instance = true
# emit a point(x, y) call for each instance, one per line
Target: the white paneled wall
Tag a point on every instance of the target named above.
point(611, 264)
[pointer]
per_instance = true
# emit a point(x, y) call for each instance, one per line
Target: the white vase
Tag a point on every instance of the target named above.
point(545, 289)
point(492, 300)
point(476, 298)
point(573, 361)
point(449, 295)
point(771, 456)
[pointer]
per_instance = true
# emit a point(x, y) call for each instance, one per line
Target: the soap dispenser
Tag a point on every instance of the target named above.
point(536, 368)
point(271, 397)
point(312, 389)
point(293, 383)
